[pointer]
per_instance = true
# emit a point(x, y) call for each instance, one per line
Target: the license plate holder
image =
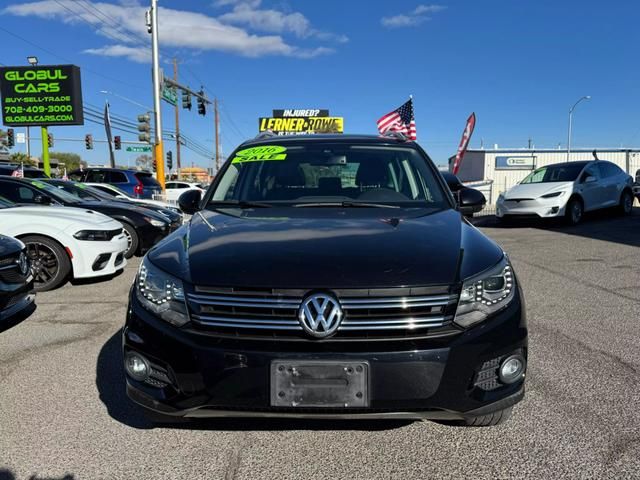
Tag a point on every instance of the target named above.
point(319, 384)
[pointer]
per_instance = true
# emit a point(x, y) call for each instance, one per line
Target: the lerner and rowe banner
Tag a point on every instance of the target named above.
point(301, 122)
point(41, 95)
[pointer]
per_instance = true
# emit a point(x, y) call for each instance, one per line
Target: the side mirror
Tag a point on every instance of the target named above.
point(590, 179)
point(189, 201)
point(42, 200)
point(470, 201)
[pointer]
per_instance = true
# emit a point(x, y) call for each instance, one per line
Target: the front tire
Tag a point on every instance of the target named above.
point(574, 212)
point(496, 418)
point(50, 262)
point(626, 203)
point(133, 241)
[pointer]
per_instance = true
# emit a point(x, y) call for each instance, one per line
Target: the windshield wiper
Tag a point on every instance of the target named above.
point(238, 204)
point(345, 204)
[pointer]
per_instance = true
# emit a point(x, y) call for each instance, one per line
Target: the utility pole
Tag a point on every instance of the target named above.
point(155, 56)
point(177, 109)
point(217, 132)
point(28, 140)
point(45, 151)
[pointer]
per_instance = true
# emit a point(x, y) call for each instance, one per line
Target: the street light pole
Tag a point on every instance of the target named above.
point(155, 54)
point(586, 97)
point(126, 99)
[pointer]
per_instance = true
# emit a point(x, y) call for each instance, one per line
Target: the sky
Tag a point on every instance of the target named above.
point(518, 64)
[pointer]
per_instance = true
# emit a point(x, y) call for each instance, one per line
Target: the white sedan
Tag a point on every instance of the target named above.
point(568, 190)
point(176, 188)
point(120, 194)
point(65, 242)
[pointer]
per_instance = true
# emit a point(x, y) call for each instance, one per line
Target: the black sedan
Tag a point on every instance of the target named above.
point(86, 192)
point(144, 228)
point(16, 283)
point(456, 186)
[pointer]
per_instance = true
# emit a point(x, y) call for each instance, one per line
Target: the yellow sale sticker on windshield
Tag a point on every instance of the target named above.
point(260, 154)
point(38, 184)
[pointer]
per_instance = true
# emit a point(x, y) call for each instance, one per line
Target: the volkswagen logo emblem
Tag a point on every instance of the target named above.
point(23, 264)
point(320, 315)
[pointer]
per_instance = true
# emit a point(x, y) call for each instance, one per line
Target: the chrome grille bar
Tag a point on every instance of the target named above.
point(269, 311)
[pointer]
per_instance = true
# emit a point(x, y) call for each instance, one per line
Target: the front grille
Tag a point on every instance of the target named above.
point(10, 270)
point(367, 313)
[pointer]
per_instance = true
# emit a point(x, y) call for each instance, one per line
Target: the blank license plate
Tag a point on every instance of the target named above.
point(319, 384)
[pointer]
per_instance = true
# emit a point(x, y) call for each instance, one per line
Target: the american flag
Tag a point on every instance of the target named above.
point(400, 120)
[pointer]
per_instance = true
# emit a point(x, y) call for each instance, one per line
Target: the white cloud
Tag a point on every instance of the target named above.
point(413, 18)
point(138, 55)
point(246, 12)
point(177, 29)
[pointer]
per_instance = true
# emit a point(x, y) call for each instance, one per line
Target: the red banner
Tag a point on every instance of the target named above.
point(464, 142)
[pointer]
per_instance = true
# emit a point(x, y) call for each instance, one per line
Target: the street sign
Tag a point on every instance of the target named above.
point(41, 95)
point(21, 137)
point(170, 95)
point(139, 149)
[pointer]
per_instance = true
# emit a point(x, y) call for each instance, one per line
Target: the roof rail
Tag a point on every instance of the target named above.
point(265, 134)
point(401, 137)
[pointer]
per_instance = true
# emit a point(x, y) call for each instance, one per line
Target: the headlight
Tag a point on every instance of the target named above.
point(95, 235)
point(501, 197)
point(486, 294)
point(161, 293)
point(156, 223)
point(552, 195)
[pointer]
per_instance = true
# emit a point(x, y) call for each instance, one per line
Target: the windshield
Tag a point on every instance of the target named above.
point(110, 190)
point(555, 173)
point(55, 192)
point(6, 203)
point(78, 190)
point(330, 174)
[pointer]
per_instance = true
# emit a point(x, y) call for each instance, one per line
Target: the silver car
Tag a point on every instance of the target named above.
point(568, 190)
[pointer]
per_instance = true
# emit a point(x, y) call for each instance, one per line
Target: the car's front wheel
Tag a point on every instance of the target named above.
point(574, 211)
point(50, 263)
point(132, 240)
point(626, 202)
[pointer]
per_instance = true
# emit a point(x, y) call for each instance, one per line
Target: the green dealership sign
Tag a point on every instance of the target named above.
point(41, 95)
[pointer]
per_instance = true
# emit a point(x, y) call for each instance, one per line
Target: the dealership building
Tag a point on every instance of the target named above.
point(495, 171)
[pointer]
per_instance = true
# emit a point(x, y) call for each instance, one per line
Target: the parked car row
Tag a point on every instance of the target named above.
point(72, 231)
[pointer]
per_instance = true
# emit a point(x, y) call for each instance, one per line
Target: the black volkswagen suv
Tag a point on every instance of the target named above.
point(327, 276)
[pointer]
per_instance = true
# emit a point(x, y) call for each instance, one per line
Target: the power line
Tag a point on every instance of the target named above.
point(85, 69)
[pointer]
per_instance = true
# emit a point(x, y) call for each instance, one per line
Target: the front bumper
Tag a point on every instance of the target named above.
point(540, 207)
point(97, 259)
point(17, 302)
point(198, 375)
point(150, 235)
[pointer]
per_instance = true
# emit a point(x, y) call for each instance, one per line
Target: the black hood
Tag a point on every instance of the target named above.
point(9, 246)
point(325, 248)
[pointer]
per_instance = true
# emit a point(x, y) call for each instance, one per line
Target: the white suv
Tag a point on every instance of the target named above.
point(568, 190)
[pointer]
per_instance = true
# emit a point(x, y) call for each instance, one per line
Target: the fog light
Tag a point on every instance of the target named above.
point(136, 366)
point(512, 369)
point(554, 209)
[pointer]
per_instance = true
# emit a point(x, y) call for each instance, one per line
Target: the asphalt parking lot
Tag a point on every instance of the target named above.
point(64, 414)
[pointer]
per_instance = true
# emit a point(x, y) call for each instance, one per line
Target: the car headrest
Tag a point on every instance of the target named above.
point(372, 174)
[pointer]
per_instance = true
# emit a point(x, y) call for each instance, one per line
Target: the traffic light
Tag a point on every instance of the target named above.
point(117, 142)
point(50, 140)
point(169, 159)
point(11, 139)
point(186, 100)
point(144, 127)
point(202, 109)
point(155, 165)
point(88, 141)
